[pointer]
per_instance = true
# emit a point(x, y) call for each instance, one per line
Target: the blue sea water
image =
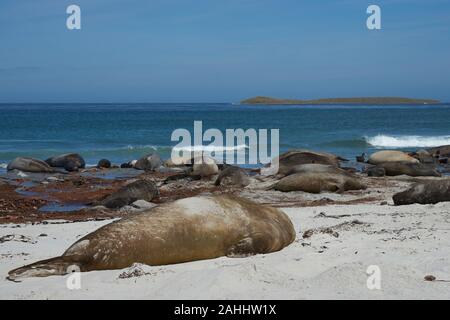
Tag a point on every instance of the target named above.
point(122, 132)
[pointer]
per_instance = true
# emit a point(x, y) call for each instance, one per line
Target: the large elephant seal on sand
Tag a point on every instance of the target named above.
point(317, 182)
point(138, 190)
point(409, 169)
point(429, 192)
point(185, 230)
point(29, 165)
point(390, 156)
point(69, 161)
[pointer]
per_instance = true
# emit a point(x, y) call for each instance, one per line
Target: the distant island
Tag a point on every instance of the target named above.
point(362, 100)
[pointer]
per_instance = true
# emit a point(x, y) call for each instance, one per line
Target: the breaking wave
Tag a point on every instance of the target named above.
point(386, 141)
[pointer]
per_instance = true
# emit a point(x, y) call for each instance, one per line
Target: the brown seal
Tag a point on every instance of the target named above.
point(29, 165)
point(233, 176)
point(137, 190)
point(390, 156)
point(312, 181)
point(426, 192)
point(293, 158)
point(409, 169)
point(185, 230)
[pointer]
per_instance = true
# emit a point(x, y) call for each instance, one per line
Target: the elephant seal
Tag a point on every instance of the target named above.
point(297, 157)
point(150, 162)
point(361, 158)
point(104, 164)
point(233, 176)
point(315, 168)
point(69, 161)
point(442, 151)
point(409, 169)
point(390, 156)
point(429, 192)
point(204, 166)
point(179, 161)
point(423, 156)
point(29, 165)
point(376, 171)
point(317, 182)
point(138, 190)
point(186, 230)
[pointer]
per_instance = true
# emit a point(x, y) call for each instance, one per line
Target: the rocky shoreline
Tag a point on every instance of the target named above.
point(344, 216)
point(74, 193)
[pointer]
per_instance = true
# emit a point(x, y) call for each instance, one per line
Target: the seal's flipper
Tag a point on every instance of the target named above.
point(256, 243)
point(243, 248)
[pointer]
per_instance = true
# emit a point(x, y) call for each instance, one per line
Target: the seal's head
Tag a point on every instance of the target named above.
point(45, 268)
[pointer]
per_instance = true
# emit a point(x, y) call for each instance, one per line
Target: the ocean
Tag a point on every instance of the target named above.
point(123, 132)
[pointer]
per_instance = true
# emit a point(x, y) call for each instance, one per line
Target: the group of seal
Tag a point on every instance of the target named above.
point(314, 172)
point(396, 163)
point(293, 158)
point(185, 230)
point(69, 162)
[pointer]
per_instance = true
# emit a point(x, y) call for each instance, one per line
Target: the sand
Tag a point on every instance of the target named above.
point(405, 243)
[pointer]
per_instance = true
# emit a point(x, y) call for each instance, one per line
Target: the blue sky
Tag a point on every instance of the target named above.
point(222, 51)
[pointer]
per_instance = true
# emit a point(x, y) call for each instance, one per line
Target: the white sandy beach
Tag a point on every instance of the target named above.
point(407, 243)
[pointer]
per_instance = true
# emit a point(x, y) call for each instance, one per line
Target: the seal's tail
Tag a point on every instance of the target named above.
point(44, 268)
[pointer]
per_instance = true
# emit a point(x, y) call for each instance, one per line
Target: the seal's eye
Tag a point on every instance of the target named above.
point(73, 269)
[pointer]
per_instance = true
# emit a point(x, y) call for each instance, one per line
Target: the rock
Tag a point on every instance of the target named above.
point(138, 190)
point(313, 182)
point(54, 179)
point(376, 172)
point(126, 165)
point(430, 278)
point(233, 176)
point(390, 156)
point(149, 162)
point(69, 161)
point(409, 169)
point(29, 165)
point(428, 192)
point(104, 163)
